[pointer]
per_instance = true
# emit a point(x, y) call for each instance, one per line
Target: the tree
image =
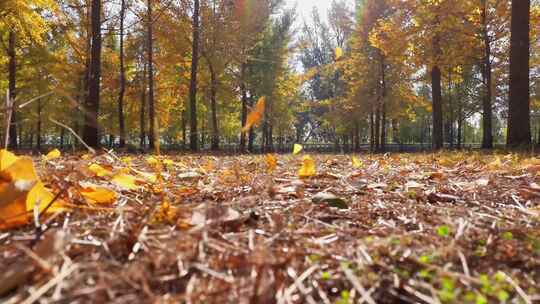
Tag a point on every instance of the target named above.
point(91, 131)
point(122, 76)
point(194, 136)
point(519, 129)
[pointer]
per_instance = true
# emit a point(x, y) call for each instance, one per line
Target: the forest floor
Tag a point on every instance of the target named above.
point(397, 228)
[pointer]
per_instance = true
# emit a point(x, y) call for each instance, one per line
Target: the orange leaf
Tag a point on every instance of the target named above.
point(99, 195)
point(256, 115)
point(271, 162)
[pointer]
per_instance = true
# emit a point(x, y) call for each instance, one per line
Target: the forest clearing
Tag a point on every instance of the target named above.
point(270, 151)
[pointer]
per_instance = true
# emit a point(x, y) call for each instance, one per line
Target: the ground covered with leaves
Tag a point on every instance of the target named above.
point(428, 228)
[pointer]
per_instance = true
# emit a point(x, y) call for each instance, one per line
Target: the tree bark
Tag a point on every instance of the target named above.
point(487, 115)
point(13, 142)
point(121, 118)
point(91, 127)
point(39, 124)
point(519, 129)
point(151, 105)
point(143, 117)
point(383, 105)
point(193, 136)
point(213, 107)
point(437, 108)
point(243, 90)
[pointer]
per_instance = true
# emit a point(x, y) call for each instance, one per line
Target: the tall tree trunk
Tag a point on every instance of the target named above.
point(193, 136)
point(437, 108)
point(378, 128)
point(243, 90)
point(383, 105)
point(121, 121)
point(13, 143)
point(151, 104)
point(91, 127)
point(519, 129)
point(450, 128)
point(39, 123)
point(487, 115)
point(143, 116)
point(371, 132)
point(213, 107)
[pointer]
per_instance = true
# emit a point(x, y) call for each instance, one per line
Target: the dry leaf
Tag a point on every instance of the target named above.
point(271, 163)
point(98, 195)
point(125, 181)
point(53, 154)
point(256, 115)
point(356, 163)
point(308, 167)
point(6, 159)
point(99, 170)
point(297, 149)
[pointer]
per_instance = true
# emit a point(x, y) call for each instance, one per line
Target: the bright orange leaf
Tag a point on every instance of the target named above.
point(256, 115)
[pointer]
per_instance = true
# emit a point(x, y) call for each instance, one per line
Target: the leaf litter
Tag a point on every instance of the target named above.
point(428, 228)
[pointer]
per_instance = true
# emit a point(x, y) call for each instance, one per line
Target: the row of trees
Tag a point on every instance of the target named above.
point(146, 72)
point(437, 68)
point(121, 72)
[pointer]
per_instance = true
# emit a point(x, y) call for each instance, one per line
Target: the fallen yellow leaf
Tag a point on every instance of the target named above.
point(99, 170)
point(297, 149)
point(308, 167)
point(98, 195)
point(152, 161)
point(22, 169)
point(6, 159)
point(356, 163)
point(53, 154)
point(168, 162)
point(256, 115)
point(271, 162)
point(127, 160)
point(42, 197)
point(125, 181)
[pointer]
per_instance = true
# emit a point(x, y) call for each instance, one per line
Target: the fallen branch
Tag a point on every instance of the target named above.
point(74, 134)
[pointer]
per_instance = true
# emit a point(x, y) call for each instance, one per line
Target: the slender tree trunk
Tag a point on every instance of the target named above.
point(371, 132)
point(151, 104)
point(143, 117)
point(213, 108)
point(395, 131)
point(91, 127)
point(383, 104)
point(487, 115)
point(121, 121)
point(437, 108)
point(450, 128)
point(193, 142)
point(244, 113)
point(38, 128)
point(519, 129)
point(13, 142)
point(378, 128)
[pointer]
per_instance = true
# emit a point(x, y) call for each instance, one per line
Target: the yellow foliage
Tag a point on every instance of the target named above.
point(98, 195)
point(99, 170)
